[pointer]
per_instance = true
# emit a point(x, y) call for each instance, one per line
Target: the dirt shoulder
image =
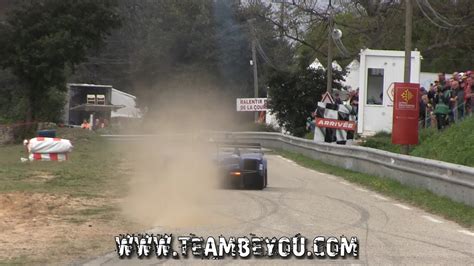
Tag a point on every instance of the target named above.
point(54, 213)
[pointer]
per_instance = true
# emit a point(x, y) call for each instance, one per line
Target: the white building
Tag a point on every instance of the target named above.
point(86, 101)
point(378, 70)
point(129, 103)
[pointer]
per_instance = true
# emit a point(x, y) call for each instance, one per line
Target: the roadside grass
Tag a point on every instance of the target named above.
point(91, 170)
point(90, 183)
point(454, 144)
point(445, 207)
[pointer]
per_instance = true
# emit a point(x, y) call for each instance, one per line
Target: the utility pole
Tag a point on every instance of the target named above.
point(282, 18)
point(255, 72)
point(329, 66)
point(408, 32)
point(254, 61)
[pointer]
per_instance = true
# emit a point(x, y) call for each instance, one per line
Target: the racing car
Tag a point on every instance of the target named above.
point(242, 165)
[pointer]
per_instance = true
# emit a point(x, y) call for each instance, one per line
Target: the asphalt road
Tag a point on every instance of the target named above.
point(300, 200)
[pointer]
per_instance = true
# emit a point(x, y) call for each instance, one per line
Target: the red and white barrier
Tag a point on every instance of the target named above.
point(49, 145)
point(48, 157)
point(48, 149)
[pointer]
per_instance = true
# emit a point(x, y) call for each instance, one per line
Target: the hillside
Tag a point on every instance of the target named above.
point(454, 145)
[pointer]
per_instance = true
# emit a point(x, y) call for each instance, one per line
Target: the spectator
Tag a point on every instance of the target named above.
point(337, 99)
point(468, 89)
point(354, 101)
point(85, 124)
point(432, 91)
point(458, 100)
point(442, 79)
point(423, 109)
point(455, 76)
point(442, 107)
point(96, 124)
point(448, 91)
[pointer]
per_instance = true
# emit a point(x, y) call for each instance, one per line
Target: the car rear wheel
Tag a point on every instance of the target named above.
point(266, 178)
point(260, 182)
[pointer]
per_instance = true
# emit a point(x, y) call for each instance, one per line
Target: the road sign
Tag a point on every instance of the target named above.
point(336, 124)
point(327, 98)
point(251, 104)
point(405, 113)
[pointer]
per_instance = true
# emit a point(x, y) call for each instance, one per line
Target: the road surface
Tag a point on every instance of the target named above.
point(300, 200)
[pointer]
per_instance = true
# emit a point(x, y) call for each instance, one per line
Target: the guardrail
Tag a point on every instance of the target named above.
point(446, 179)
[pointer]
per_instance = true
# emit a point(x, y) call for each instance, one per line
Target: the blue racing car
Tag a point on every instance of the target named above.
point(242, 165)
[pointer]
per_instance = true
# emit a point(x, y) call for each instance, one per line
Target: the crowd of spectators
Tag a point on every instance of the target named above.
point(447, 100)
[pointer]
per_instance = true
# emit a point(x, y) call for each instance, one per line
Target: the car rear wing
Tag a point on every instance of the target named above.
point(239, 145)
point(254, 147)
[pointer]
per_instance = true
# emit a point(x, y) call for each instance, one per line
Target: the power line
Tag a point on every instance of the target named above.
point(428, 17)
point(436, 18)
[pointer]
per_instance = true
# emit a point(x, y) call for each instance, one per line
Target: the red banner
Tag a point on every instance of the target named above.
point(337, 124)
point(405, 114)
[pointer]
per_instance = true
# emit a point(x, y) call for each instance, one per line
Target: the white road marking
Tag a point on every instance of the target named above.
point(379, 197)
point(466, 232)
point(361, 189)
point(344, 183)
point(402, 206)
point(429, 218)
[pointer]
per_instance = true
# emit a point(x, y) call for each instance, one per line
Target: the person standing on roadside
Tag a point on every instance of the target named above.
point(458, 100)
point(442, 107)
point(468, 92)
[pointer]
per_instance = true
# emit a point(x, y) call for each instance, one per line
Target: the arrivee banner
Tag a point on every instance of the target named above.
point(251, 104)
point(337, 124)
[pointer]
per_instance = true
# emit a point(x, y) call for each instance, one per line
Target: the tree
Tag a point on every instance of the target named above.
point(294, 95)
point(200, 46)
point(42, 41)
point(442, 30)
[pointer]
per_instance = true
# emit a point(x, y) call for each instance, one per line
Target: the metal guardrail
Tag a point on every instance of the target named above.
point(446, 179)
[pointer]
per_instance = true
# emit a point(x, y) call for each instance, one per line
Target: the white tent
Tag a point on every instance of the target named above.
point(336, 66)
point(316, 65)
point(352, 76)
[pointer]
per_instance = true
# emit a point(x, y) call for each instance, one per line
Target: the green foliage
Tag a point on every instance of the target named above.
point(381, 25)
point(191, 47)
point(43, 39)
point(294, 95)
point(452, 145)
point(382, 141)
point(12, 101)
point(309, 135)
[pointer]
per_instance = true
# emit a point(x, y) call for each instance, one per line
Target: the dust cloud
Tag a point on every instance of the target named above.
point(174, 181)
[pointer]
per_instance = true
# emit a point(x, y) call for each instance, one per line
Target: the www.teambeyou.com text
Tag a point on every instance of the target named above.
point(162, 246)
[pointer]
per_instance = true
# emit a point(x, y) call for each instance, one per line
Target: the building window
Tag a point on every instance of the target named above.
point(375, 86)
